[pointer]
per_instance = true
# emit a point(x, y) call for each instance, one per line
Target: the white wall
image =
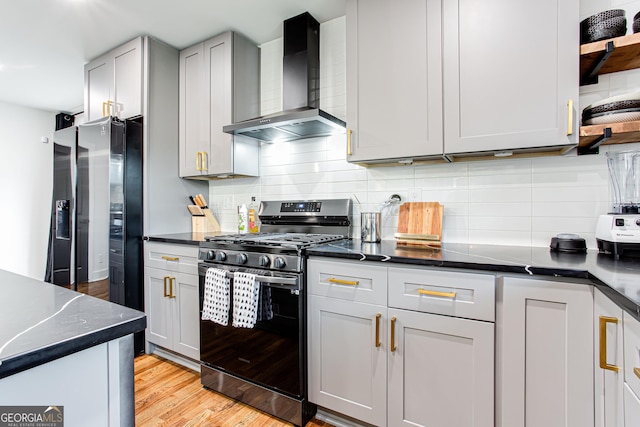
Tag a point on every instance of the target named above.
point(26, 173)
point(521, 202)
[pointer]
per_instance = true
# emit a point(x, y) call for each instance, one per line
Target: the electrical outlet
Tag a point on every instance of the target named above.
point(414, 194)
point(227, 203)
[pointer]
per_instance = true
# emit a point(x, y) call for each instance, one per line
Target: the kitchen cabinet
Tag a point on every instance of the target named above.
point(347, 318)
point(608, 357)
point(394, 79)
point(219, 85)
point(113, 83)
point(475, 80)
point(631, 370)
point(544, 353)
point(171, 297)
point(395, 373)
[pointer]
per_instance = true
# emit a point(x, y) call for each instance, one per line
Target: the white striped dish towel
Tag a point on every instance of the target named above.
point(245, 300)
point(215, 306)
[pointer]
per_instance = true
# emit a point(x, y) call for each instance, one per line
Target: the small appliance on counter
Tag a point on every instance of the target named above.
point(568, 243)
point(618, 232)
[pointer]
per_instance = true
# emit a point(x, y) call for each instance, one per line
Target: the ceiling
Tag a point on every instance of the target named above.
point(44, 44)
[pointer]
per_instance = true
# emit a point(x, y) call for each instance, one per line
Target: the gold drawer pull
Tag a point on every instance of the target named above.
point(378, 316)
point(437, 294)
point(393, 334)
point(570, 117)
point(344, 282)
point(637, 372)
point(603, 343)
point(170, 258)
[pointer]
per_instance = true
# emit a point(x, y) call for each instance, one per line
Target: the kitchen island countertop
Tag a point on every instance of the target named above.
point(42, 322)
point(618, 279)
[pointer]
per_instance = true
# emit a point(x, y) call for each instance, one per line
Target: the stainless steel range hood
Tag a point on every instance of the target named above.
point(302, 117)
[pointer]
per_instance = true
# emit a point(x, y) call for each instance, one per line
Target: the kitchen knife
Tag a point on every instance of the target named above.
point(202, 201)
point(193, 201)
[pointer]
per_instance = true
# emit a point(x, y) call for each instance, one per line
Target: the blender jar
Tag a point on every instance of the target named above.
point(624, 175)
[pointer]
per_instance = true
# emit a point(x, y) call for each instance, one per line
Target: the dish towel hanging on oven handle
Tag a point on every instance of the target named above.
point(215, 305)
point(245, 300)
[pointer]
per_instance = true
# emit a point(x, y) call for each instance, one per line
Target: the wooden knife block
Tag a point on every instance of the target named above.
point(206, 223)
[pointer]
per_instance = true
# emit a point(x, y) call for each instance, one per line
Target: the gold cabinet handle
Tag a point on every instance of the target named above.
point(393, 334)
point(165, 279)
point(603, 343)
point(437, 294)
point(171, 280)
point(104, 108)
point(170, 258)
point(205, 161)
point(378, 316)
point(198, 160)
point(637, 372)
point(570, 117)
point(349, 132)
point(344, 282)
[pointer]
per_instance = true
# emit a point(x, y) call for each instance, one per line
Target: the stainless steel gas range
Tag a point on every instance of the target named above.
point(265, 366)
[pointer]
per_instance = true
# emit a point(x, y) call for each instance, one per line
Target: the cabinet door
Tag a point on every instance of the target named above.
point(544, 353)
point(186, 315)
point(98, 86)
point(218, 56)
point(608, 382)
point(158, 309)
point(394, 79)
point(347, 370)
point(127, 77)
point(631, 407)
point(441, 372)
point(506, 85)
point(193, 139)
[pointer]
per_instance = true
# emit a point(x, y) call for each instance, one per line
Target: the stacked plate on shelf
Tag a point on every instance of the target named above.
point(616, 109)
point(604, 25)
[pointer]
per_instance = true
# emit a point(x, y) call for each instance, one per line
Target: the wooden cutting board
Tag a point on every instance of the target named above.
point(420, 219)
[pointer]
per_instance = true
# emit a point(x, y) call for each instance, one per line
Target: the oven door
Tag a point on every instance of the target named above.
point(271, 353)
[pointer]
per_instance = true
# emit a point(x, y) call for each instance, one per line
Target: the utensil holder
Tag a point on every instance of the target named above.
point(370, 227)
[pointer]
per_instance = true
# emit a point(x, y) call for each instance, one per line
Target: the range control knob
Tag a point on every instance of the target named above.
point(241, 258)
point(264, 261)
point(638, 222)
point(210, 255)
point(221, 256)
point(279, 262)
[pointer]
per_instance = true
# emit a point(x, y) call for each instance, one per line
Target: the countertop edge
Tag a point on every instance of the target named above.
point(621, 300)
point(40, 356)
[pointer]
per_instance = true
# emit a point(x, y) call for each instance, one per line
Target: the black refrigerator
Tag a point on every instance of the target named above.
point(95, 243)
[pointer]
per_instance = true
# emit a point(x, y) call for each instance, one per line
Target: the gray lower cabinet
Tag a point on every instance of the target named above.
point(608, 362)
point(219, 85)
point(631, 370)
point(397, 361)
point(544, 353)
point(171, 298)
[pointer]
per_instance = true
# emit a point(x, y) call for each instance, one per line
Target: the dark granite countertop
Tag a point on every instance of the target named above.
point(42, 322)
point(183, 238)
point(618, 279)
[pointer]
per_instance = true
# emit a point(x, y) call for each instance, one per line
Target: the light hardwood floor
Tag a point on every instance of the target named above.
point(168, 394)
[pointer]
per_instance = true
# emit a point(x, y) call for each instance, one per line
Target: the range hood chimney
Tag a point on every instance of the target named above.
point(302, 117)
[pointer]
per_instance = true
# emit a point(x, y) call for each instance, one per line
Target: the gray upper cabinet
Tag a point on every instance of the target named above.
point(510, 74)
point(113, 83)
point(394, 79)
point(427, 78)
point(219, 85)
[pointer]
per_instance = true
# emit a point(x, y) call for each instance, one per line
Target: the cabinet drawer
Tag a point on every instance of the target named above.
point(172, 257)
point(468, 295)
point(631, 335)
point(353, 281)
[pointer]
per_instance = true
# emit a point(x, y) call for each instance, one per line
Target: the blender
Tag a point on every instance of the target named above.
point(618, 232)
